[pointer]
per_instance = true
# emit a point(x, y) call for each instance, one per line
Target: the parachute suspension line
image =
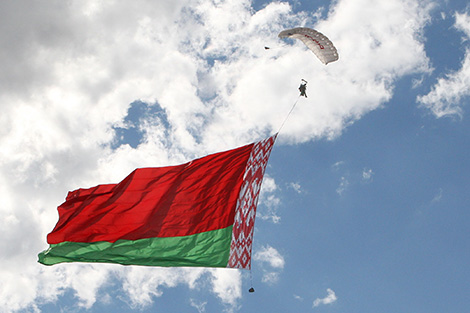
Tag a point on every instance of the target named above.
point(287, 117)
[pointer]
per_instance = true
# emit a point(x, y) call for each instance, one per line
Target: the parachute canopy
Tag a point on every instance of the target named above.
point(315, 41)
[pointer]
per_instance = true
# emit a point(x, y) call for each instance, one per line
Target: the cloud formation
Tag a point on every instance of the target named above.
point(272, 262)
point(329, 299)
point(445, 96)
point(367, 175)
point(71, 70)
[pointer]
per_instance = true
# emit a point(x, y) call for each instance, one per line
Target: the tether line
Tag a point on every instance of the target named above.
point(285, 120)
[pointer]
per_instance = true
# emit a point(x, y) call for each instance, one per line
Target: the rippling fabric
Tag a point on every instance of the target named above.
point(179, 215)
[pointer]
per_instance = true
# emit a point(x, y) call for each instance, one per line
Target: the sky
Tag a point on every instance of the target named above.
point(365, 201)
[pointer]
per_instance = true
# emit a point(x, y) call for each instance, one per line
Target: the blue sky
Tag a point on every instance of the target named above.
point(365, 204)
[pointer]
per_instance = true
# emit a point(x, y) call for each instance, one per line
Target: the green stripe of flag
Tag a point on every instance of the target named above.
point(207, 249)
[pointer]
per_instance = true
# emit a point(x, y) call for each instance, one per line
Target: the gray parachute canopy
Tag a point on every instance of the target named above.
point(315, 41)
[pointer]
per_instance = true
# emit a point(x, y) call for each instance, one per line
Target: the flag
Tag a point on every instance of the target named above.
point(200, 213)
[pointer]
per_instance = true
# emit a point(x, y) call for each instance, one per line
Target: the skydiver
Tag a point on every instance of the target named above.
point(303, 88)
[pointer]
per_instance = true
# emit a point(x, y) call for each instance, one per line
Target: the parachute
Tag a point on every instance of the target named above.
point(315, 41)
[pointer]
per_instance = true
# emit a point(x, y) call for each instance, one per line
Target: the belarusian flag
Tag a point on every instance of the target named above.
point(200, 213)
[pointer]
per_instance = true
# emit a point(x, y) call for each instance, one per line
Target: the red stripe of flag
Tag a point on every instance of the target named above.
point(168, 201)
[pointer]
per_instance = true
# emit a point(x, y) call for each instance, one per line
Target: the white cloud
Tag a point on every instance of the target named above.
point(71, 69)
point(143, 284)
point(268, 201)
point(86, 280)
point(271, 256)
point(200, 306)
point(445, 97)
point(438, 196)
point(226, 284)
point(367, 175)
point(329, 299)
point(343, 185)
point(462, 22)
point(270, 278)
point(275, 261)
point(416, 82)
point(337, 165)
point(296, 187)
point(297, 297)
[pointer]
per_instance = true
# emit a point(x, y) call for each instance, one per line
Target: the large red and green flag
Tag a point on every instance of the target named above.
point(201, 213)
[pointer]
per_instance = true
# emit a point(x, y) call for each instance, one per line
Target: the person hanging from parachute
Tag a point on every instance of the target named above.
point(318, 43)
point(303, 88)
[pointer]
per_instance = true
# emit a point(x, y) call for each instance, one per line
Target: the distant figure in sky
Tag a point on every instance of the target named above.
point(303, 88)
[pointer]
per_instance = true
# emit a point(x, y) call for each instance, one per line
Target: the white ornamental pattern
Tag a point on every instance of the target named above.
point(245, 212)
